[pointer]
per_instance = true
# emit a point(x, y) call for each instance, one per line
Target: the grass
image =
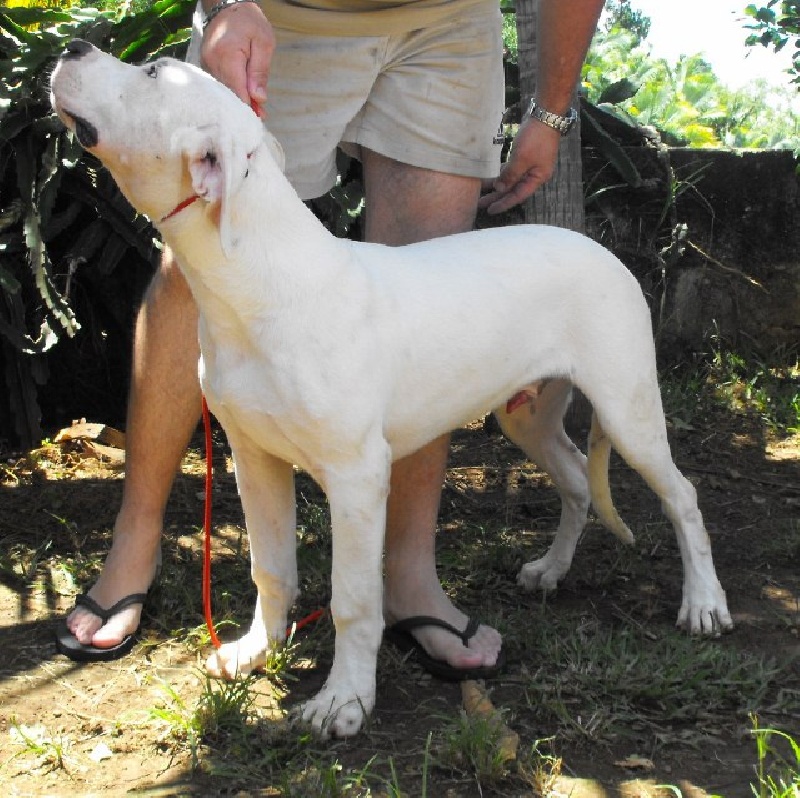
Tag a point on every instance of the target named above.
point(472, 744)
point(772, 391)
point(476, 746)
point(50, 752)
point(598, 685)
point(620, 682)
point(230, 738)
point(220, 714)
point(778, 763)
point(767, 386)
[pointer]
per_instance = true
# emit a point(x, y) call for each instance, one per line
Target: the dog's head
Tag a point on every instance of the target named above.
point(166, 130)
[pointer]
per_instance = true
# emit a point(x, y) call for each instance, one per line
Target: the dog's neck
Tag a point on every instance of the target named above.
point(279, 247)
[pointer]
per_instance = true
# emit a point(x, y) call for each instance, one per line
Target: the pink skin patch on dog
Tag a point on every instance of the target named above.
point(516, 401)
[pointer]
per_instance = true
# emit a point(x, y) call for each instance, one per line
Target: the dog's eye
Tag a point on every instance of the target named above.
point(151, 70)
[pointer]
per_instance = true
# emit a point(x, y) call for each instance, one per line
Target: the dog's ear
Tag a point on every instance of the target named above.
point(217, 162)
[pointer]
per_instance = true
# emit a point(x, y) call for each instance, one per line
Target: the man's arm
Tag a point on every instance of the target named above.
point(565, 32)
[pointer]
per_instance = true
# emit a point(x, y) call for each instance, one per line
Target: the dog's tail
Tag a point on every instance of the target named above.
point(599, 453)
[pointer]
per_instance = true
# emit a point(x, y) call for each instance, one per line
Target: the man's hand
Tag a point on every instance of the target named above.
point(531, 164)
point(237, 50)
point(564, 33)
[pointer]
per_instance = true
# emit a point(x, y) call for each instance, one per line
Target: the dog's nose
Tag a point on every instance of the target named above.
point(77, 48)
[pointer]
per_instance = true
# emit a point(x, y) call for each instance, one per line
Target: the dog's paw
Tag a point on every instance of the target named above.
point(543, 574)
point(237, 659)
point(705, 614)
point(336, 714)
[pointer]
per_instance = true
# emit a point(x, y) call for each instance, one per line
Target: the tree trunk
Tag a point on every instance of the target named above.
point(560, 201)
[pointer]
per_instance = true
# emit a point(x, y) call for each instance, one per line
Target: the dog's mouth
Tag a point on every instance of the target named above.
point(85, 131)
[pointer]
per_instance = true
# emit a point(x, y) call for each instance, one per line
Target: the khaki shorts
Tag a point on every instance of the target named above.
point(432, 98)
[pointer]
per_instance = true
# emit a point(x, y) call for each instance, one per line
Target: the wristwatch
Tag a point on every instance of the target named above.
point(563, 124)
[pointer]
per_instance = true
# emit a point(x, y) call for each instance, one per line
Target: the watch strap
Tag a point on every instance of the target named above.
point(563, 124)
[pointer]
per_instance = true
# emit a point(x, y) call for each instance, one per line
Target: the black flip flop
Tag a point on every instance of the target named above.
point(399, 634)
point(68, 645)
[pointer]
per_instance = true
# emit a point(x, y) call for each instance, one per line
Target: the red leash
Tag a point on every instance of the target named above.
point(209, 479)
point(207, 545)
point(207, 529)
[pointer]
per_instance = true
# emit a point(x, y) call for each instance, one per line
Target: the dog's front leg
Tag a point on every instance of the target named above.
point(357, 497)
point(266, 485)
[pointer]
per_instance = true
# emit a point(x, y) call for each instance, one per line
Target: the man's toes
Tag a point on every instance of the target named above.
point(113, 632)
point(83, 626)
point(90, 630)
point(482, 649)
point(487, 642)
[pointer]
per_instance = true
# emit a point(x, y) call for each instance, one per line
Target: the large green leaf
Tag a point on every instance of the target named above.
point(53, 194)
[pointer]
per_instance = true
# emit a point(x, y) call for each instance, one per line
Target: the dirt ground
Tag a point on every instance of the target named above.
point(95, 728)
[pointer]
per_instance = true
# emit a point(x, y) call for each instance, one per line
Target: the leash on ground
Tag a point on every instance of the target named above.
point(295, 627)
point(207, 530)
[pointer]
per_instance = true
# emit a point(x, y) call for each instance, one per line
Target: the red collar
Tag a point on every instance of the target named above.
point(180, 206)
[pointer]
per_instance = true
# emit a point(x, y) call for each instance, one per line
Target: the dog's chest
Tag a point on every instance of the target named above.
point(257, 401)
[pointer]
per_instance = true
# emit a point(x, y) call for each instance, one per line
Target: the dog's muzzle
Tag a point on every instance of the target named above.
point(85, 131)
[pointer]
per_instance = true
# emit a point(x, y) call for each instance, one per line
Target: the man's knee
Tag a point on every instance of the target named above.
point(168, 283)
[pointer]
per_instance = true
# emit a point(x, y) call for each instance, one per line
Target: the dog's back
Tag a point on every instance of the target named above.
point(503, 307)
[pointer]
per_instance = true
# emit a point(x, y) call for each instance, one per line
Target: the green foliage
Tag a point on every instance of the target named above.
point(778, 774)
point(510, 40)
point(60, 210)
point(750, 384)
point(619, 14)
point(767, 387)
point(685, 101)
point(777, 28)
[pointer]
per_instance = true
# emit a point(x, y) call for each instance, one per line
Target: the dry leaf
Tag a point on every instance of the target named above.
point(476, 702)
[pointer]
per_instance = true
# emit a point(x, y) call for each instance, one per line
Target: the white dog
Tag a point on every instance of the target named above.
point(341, 357)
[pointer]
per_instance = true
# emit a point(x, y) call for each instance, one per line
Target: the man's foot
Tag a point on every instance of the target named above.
point(482, 648)
point(68, 645)
point(402, 635)
point(129, 569)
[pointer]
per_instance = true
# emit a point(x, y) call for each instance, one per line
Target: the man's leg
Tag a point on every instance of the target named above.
point(163, 411)
point(405, 205)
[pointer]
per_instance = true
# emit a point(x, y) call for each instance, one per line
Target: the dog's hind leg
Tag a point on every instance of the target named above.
point(266, 486)
point(634, 424)
point(357, 495)
point(537, 428)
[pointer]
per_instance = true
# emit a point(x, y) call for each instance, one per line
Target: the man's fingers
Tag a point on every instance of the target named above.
point(232, 72)
point(258, 70)
point(500, 203)
point(506, 195)
point(228, 66)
